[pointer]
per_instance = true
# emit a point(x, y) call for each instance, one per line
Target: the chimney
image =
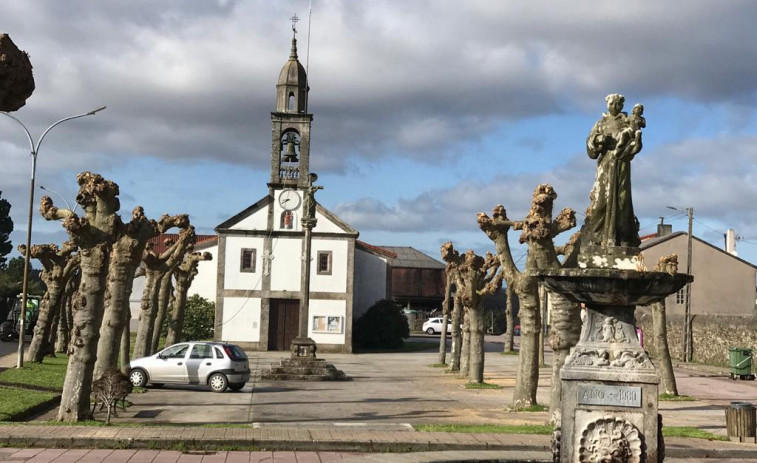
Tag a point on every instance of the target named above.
point(730, 242)
point(664, 229)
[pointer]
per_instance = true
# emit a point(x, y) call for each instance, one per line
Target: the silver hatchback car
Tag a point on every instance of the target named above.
point(216, 364)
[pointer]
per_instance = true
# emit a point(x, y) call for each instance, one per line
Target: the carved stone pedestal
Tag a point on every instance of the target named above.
point(609, 385)
point(303, 365)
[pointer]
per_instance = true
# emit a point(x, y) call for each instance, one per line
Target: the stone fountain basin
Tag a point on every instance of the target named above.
point(613, 287)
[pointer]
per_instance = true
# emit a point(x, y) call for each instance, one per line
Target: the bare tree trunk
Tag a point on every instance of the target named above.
point(58, 266)
point(164, 296)
point(120, 274)
point(93, 235)
point(126, 341)
point(65, 320)
point(565, 329)
point(476, 345)
point(465, 346)
point(509, 319)
point(143, 341)
point(53, 334)
point(74, 405)
point(457, 340)
point(156, 266)
point(184, 275)
point(527, 380)
point(659, 323)
point(445, 320)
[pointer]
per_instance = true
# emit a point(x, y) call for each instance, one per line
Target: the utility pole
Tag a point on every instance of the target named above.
point(687, 335)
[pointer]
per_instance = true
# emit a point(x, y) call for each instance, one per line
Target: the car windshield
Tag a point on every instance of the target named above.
point(234, 352)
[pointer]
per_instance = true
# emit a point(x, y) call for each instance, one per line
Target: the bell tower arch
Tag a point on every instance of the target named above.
point(290, 144)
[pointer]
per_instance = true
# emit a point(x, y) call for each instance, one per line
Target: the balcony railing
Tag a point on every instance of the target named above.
point(289, 172)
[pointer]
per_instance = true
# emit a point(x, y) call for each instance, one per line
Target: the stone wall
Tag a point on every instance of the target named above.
point(713, 335)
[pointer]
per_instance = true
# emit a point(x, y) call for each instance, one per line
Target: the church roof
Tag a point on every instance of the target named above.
point(409, 257)
point(159, 242)
point(293, 73)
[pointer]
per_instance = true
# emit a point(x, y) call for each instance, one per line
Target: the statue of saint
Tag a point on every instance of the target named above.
point(613, 141)
point(308, 207)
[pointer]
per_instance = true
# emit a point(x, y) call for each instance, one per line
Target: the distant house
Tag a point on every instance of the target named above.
point(723, 283)
point(417, 280)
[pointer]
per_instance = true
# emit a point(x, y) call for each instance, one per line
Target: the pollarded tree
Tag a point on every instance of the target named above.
point(16, 78)
point(475, 277)
point(457, 307)
point(538, 231)
point(6, 227)
point(668, 264)
point(128, 248)
point(156, 267)
point(66, 315)
point(184, 274)
point(58, 264)
point(509, 319)
point(93, 234)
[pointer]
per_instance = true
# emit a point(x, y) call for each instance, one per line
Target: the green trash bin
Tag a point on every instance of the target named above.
point(740, 361)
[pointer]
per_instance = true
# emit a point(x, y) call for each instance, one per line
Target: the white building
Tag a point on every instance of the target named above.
point(256, 276)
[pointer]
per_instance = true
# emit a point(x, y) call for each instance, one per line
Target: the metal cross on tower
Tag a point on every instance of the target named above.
point(294, 19)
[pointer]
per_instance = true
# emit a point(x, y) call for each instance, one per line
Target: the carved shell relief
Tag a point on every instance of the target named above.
point(634, 360)
point(610, 440)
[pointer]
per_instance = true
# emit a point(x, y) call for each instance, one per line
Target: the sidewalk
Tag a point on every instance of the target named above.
point(331, 439)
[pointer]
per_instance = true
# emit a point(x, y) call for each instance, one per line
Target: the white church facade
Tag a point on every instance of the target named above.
point(256, 277)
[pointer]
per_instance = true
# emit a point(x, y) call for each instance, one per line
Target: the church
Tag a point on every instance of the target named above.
point(256, 277)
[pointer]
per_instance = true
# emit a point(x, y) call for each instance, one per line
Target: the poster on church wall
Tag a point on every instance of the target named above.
point(327, 324)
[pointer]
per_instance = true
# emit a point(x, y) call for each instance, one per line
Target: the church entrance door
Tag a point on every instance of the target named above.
point(284, 322)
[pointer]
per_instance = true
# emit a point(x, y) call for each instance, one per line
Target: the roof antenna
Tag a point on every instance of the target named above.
point(307, 58)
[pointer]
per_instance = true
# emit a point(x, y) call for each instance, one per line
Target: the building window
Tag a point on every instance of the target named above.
point(247, 260)
point(324, 262)
point(681, 296)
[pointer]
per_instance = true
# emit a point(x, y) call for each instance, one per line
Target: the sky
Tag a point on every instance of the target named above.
point(425, 112)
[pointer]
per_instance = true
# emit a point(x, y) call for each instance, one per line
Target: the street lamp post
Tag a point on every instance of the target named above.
point(687, 335)
point(25, 287)
point(68, 205)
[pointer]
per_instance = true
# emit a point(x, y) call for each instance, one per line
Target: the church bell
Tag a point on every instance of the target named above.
point(290, 155)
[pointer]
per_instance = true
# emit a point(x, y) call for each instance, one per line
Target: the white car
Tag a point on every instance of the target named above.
point(216, 364)
point(434, 326)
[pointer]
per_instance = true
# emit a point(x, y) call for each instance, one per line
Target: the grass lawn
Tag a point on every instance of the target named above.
point(482, 386)
point(490, 428)
point(48, 374)
point(16, 401)
point(688, 431)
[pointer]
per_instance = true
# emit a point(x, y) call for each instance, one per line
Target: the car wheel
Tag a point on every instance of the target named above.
point(430, 331)
point(236, 387)
point(218, 382)
point(138, 377)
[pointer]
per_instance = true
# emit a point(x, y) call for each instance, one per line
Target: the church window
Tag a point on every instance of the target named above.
point(290, 105)
point(324, 262)
point(247, 260)
point(681, 296)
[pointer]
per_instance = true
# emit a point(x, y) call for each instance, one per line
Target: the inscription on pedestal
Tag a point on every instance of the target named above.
point(600, 394)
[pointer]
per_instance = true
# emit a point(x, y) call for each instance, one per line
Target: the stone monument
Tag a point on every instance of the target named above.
point(609, 385)
point(303, 363)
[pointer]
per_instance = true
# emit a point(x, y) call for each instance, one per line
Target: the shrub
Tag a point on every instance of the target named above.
point(383, 326)
point(199, 319)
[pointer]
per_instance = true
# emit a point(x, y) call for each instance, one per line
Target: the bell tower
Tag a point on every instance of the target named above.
point(290, 145)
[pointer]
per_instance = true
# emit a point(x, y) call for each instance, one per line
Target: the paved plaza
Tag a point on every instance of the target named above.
point(375, 412)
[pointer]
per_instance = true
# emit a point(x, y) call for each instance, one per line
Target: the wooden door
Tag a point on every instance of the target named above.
point(284, 322)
